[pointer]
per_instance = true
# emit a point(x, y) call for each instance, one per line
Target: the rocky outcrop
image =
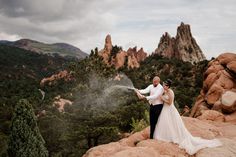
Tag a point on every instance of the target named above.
point(183, 46)
point(60, 103)
point(212, 115)
point(105, 53)
point(119, 57)
point(219, 88)
point(166, 46)
point(52, 80)
point(224, 151)
point(140, 55)
point(139, 144)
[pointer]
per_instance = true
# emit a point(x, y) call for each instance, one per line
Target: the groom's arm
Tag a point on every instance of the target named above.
point(156, 95)
point(145, 91)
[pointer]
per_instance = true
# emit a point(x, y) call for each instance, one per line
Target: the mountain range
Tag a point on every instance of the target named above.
point(61, 49)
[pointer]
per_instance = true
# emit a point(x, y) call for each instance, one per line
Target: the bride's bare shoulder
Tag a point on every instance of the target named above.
point(171, 92)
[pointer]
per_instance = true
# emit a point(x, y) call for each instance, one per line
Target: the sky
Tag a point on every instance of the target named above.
point(141, 23)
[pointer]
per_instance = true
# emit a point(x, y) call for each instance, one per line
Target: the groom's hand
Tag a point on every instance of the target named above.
point(140, 96)
point(143, 97)
point(136, 91)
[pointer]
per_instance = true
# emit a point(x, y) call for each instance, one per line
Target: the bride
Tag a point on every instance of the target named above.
point(171, 128)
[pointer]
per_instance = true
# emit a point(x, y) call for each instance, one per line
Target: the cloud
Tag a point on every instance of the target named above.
point(55, 19)
point(134, 22)
point(8, 36)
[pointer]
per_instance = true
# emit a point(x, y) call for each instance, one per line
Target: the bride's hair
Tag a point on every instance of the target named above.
point(168, 82)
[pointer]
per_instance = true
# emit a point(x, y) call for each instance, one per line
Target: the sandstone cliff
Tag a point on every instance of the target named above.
point(139, 144)
point(52, 80)
point(219, 89)
point(116, 56)
point(183, 46)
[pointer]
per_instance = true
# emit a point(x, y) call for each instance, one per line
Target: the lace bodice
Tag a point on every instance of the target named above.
point(166, 96)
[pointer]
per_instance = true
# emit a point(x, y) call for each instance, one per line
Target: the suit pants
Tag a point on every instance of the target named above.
point(154, 113)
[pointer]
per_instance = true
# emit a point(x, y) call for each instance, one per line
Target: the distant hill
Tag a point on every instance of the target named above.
point(62, 49)
point(5, 42)
point(16, 63)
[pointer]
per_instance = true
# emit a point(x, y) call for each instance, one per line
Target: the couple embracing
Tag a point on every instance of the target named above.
point(165, 121)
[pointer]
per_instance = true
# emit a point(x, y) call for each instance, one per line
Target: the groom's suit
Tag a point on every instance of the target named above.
point(156, 104)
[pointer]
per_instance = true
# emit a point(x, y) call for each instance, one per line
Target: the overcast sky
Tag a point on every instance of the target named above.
point(141, 23)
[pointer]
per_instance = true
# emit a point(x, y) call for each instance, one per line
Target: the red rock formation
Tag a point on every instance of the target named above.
point(219, 87)
point(108, 43)
point(135, 57)
point(131, 58)
point(60, 103)
point(139, 144)
point(105, 53)
point(166, 46)
point(132, 62)
point(41, 113)
point(54, 78)
point(183, 46)
point(140, 55)
point(212, 115)
point(120, 59)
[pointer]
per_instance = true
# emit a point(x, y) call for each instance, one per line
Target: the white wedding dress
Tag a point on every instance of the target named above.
point(171, 128)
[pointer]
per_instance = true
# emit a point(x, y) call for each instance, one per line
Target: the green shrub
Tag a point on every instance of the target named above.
point(25, 139)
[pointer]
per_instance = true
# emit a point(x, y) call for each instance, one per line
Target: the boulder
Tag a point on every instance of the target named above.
point(219, 86)
point(228, 101)
point(212, 115)
point(137, 152)
point(164, 148)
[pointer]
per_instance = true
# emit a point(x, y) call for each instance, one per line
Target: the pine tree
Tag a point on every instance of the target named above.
point(25, 139)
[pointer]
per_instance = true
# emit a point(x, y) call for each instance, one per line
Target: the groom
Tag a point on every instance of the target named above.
point(156, 104)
